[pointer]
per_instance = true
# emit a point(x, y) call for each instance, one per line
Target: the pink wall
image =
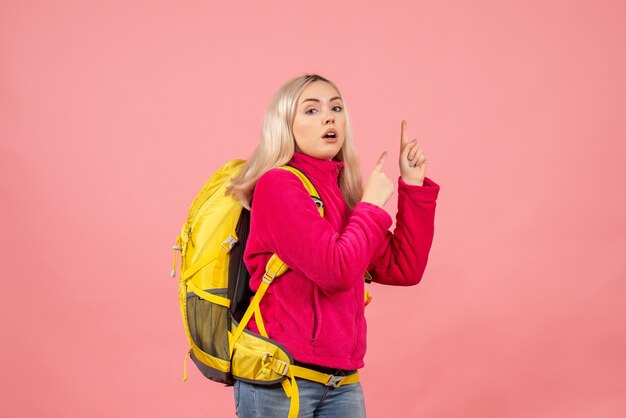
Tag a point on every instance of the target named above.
point(113, 114)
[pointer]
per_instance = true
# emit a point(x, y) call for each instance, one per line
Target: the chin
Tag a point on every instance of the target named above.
point(324, 153)
point(330, 155)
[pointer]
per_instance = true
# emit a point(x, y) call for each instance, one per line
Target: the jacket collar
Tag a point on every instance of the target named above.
point(324, 171)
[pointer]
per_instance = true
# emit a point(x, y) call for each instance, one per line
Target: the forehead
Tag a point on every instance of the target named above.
point(318, 90)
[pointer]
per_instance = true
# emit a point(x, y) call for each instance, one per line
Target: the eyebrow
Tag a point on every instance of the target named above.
point(317, 100)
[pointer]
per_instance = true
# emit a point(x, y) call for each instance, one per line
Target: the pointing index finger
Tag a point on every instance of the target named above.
point(381, 161)
point(404, 136)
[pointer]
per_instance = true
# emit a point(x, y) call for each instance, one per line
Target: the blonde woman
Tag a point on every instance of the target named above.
point(316, 309)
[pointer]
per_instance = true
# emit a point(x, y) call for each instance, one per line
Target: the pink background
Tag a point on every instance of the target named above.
point(113, 114)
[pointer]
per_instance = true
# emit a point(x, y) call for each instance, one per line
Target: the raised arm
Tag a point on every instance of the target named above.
point(287, 220)
point(401, 258)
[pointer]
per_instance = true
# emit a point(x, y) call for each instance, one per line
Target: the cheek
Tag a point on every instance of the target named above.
point(304, 129)
point(299, 123)
point(298, 130)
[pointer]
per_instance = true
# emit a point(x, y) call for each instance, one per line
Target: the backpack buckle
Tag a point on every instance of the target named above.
point(334, 381)
point(229, 243)
point(268, 277)
point(281, 367)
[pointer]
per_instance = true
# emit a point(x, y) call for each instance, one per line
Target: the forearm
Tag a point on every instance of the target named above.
point(402, 256)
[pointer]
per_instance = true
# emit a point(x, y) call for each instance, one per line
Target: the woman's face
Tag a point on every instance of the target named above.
point(319, 111)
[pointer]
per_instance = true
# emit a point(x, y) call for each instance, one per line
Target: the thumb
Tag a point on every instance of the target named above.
point(381, 161)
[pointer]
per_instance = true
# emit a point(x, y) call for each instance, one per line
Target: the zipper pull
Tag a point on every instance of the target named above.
point(178, 250)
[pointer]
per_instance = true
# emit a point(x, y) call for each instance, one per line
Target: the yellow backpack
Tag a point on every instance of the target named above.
point(215, 297)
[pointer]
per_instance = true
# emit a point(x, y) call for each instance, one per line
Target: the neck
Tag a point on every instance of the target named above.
point(326, 171)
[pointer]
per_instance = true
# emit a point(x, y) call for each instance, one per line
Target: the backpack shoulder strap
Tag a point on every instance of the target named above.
point(308, 186)
point(275, 266)
point(320, 207)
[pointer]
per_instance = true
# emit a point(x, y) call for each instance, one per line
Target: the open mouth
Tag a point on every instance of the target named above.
point(330, 134)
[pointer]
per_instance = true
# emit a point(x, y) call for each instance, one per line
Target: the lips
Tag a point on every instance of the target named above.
point(330, 135)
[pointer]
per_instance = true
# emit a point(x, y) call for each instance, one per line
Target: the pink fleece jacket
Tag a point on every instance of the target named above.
point(315, 310)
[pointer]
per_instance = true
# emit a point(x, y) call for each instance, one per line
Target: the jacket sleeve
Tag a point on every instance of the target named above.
point(401, 258)
point(287, 221)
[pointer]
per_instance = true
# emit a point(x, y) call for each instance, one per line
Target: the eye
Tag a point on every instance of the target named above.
point(338, 107)
point(308, 111)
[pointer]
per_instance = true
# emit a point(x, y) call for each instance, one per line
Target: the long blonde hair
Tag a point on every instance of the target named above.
point(278, 145)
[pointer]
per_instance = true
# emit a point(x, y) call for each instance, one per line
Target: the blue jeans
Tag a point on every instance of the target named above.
point(316, 400)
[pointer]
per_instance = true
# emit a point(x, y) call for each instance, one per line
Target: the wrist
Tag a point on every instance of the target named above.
point(371, 202)
point(413, 182)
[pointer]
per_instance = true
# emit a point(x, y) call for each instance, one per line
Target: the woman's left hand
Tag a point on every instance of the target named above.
point(412, 159)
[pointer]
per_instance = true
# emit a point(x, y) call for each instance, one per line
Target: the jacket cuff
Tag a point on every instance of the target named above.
point(428, 191)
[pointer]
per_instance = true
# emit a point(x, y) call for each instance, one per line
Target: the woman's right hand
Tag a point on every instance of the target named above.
point(378, 189)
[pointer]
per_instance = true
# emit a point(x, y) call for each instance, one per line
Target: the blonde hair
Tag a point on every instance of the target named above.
point(278, 146)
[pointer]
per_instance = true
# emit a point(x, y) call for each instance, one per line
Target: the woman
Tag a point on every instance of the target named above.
point(316, 309)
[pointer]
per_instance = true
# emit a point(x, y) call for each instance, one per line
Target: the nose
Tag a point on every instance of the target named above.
point(329, 117)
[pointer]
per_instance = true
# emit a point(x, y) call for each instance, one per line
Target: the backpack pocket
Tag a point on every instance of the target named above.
point(253, 364)
point(257, 359)
point(206, 324)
